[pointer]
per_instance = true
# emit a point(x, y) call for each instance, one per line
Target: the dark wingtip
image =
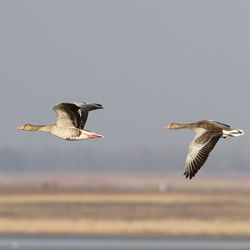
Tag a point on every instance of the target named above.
point(99, 105)
point(188, 175)
point(91, 106)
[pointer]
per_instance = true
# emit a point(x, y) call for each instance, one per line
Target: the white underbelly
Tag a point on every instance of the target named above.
point(66, 133)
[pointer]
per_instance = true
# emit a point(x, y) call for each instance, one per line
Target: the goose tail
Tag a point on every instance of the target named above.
point(233, 133)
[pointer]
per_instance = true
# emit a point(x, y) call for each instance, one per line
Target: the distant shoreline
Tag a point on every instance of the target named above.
point(117, 182)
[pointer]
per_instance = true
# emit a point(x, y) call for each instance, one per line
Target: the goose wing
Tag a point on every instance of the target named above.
point(67, 115)
point(199, 150)
point(84, 109)
point(219, 124)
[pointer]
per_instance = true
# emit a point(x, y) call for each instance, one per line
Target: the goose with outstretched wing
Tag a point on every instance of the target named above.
point(208, 133)
point(70, 121)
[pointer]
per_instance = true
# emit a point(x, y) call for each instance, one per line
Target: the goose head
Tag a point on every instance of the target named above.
point(177, 126)
point(170, 126)
point(27, 127)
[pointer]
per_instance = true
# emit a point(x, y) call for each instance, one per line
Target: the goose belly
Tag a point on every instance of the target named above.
point(66, 133)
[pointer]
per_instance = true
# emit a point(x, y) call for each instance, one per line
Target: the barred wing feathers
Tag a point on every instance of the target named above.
point(199, 151)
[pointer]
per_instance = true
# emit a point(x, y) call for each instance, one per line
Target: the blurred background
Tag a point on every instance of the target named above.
point(148, 63)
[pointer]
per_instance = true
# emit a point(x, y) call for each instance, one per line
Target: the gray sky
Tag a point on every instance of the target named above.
point(147, 62)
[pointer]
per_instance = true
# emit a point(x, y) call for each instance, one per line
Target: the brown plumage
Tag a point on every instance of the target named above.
point(208, 132)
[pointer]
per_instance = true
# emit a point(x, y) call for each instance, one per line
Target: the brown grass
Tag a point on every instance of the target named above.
point(126, 213)
point(170, 227)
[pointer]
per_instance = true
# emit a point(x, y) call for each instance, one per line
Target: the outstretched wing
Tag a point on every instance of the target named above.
point(67, 115)
point(219, 124)
point(84, 111)
point(199, 150)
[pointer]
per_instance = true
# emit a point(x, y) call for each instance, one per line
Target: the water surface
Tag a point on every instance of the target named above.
point(95, 243)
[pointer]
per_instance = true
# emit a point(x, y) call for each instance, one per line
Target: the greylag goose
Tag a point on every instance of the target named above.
point(208, 132)
point(70, 122)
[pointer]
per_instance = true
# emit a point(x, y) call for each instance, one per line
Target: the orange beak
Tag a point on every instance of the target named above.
point(20, 127)
point(167, 126)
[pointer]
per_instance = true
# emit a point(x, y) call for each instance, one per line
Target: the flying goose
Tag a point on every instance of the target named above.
point(208, 132)
point(70, 122)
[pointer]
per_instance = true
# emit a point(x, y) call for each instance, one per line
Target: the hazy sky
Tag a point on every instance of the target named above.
point(147, 62)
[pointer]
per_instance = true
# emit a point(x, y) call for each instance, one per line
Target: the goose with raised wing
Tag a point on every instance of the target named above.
point(70, 121)
point(208, 132)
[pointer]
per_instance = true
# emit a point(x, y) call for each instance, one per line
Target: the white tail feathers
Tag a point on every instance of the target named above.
point(233, 133)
